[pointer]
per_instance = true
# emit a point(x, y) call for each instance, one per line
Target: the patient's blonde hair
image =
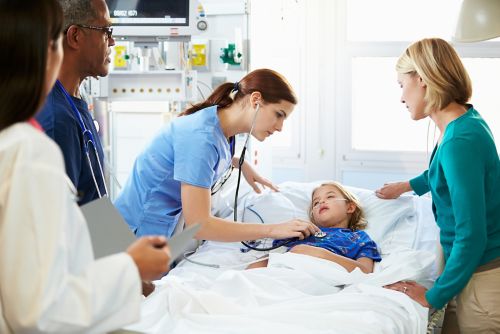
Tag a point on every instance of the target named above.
point(441, 69)
point(357, 219)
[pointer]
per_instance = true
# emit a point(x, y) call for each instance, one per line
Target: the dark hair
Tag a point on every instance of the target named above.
point(77, 12)
point(272, 86)
point(27, 28)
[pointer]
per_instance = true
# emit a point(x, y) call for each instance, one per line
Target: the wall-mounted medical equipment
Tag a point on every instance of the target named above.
point(233, 54)
point(156, 19)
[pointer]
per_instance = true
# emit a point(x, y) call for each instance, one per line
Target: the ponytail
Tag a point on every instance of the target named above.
point(272, 86)
point(220, 97)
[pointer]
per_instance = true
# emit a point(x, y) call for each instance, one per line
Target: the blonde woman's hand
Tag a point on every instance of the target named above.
point(393, 190)
point(413, 290)
point(253, 178)
point(295, 228)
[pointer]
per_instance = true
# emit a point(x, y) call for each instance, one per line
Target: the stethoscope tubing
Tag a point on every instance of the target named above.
point(86, 133)
point(235, 208)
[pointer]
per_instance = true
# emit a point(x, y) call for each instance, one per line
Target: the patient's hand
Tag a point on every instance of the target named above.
point(393, 190)
point(147, 288)
point(259, 264)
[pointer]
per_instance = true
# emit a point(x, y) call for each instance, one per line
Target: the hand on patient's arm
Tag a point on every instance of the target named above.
point(414, 290)
point(393, 190)
point(295, 228)
point(151, 256)
point(364, 263)
point(196, 208)
point(252, 177)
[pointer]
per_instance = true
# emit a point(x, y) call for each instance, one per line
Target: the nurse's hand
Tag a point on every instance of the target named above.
point(295, 228)
point(151, 255)
point(393, 190)
point(253, 178)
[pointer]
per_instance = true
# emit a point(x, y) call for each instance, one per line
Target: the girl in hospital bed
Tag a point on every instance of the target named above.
point(340, 217)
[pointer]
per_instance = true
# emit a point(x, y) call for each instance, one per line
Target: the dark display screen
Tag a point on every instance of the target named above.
point(149, 12)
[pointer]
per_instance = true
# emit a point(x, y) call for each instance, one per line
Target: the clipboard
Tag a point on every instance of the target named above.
point(179, 243)
point(110, 234)
point(108, 230)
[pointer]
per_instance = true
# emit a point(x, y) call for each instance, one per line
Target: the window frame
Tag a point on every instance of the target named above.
point(348, 158)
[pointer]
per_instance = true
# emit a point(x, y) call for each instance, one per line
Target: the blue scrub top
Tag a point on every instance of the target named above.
point(191, 149)
point(60, 123)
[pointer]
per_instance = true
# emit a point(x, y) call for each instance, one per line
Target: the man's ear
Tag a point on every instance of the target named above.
point(72, 37)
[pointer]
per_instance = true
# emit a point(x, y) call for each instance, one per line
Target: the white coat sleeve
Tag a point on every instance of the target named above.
point(49, 280)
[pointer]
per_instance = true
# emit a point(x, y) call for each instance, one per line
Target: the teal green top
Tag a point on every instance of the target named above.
point(464, 180)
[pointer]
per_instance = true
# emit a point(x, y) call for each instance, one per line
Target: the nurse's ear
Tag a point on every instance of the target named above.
point(255, 98)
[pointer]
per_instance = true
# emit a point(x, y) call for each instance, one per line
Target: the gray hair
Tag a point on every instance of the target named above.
point(77, 12)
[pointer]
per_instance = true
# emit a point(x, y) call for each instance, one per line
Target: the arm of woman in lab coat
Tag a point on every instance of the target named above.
point(49, 280)
point(196, 209)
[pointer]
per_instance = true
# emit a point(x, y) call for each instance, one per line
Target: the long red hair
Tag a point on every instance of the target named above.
point(272, 86)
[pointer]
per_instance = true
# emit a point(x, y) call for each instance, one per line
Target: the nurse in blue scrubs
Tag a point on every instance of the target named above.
point(176, 172)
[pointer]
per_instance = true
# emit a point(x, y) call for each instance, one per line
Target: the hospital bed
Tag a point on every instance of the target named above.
point(298, 293)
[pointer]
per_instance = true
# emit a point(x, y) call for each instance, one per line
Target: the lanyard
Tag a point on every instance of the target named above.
point(88, 139)
point(85, 132)
point(33, 122)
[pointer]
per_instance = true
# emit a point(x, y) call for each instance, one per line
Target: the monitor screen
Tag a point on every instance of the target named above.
point(149, 12)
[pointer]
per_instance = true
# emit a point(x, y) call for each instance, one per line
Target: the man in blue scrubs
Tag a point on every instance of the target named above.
point(87, 43)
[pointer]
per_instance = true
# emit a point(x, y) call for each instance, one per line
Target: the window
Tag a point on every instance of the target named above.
point(275, 27)
point(378, 126)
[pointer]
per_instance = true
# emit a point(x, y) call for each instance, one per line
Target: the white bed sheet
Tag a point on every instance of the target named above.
point(298, 293)
point(295, 294)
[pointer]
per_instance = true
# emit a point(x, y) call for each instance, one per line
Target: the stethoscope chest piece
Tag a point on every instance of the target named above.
point(320, 234)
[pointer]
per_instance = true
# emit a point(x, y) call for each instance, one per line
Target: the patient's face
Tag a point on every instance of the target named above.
point(330, 208)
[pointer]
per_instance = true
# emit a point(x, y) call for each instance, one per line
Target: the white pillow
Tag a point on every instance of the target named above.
point(391, 223)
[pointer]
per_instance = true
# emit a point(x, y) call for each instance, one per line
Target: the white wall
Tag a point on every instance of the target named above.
point(296, 39)
point(302, 38)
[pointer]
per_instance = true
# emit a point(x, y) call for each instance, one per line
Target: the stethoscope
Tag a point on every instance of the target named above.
point(320, 234)
point(88, 140)
point(187, 255)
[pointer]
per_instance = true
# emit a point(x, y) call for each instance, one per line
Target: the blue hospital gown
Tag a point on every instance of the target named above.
point(341, 241)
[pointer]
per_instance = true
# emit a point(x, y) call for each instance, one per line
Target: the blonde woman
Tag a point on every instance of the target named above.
point(463, 178)
point(340, 217)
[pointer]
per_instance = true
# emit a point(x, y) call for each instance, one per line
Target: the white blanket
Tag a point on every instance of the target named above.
point(295, 294)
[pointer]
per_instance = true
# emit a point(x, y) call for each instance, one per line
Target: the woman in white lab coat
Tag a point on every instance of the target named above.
point(49, 280)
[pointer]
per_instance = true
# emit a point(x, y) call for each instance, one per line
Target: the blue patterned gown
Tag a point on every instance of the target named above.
point(341, 241)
